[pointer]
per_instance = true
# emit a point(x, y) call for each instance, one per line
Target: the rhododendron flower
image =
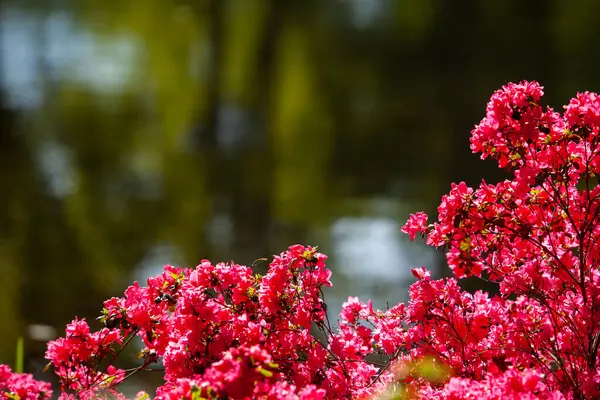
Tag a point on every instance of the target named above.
point(417, 223)
point(420, 273)
point(536, 237)
point(22, 386)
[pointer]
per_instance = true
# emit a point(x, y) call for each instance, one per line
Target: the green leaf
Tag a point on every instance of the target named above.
point(465, 245)
point(47, 367)
point(265, 372)
point(197, 394)
point(20, 355)
point(431, 371)
point(109, 380)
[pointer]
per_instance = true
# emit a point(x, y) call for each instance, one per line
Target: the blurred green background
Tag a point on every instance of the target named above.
point(135, 133)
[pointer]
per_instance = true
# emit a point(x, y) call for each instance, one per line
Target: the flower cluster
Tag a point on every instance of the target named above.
point(222, 332)
point(510, 385)
point(22, 386)
point(536, 236)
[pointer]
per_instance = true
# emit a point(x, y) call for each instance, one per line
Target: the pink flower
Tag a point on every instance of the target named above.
point(420, 273)
point(417, 223)
point(22, 386)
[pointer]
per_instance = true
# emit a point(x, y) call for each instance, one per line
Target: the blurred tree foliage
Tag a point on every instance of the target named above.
point(232, 128)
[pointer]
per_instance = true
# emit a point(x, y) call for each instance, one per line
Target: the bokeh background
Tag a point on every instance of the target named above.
point(135, 133)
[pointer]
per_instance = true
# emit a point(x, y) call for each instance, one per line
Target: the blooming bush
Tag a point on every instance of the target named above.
point(15, 385)
point(537, 237)
point(223, 333)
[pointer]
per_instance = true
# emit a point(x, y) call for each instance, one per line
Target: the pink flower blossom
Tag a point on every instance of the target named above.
point(417, 223)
